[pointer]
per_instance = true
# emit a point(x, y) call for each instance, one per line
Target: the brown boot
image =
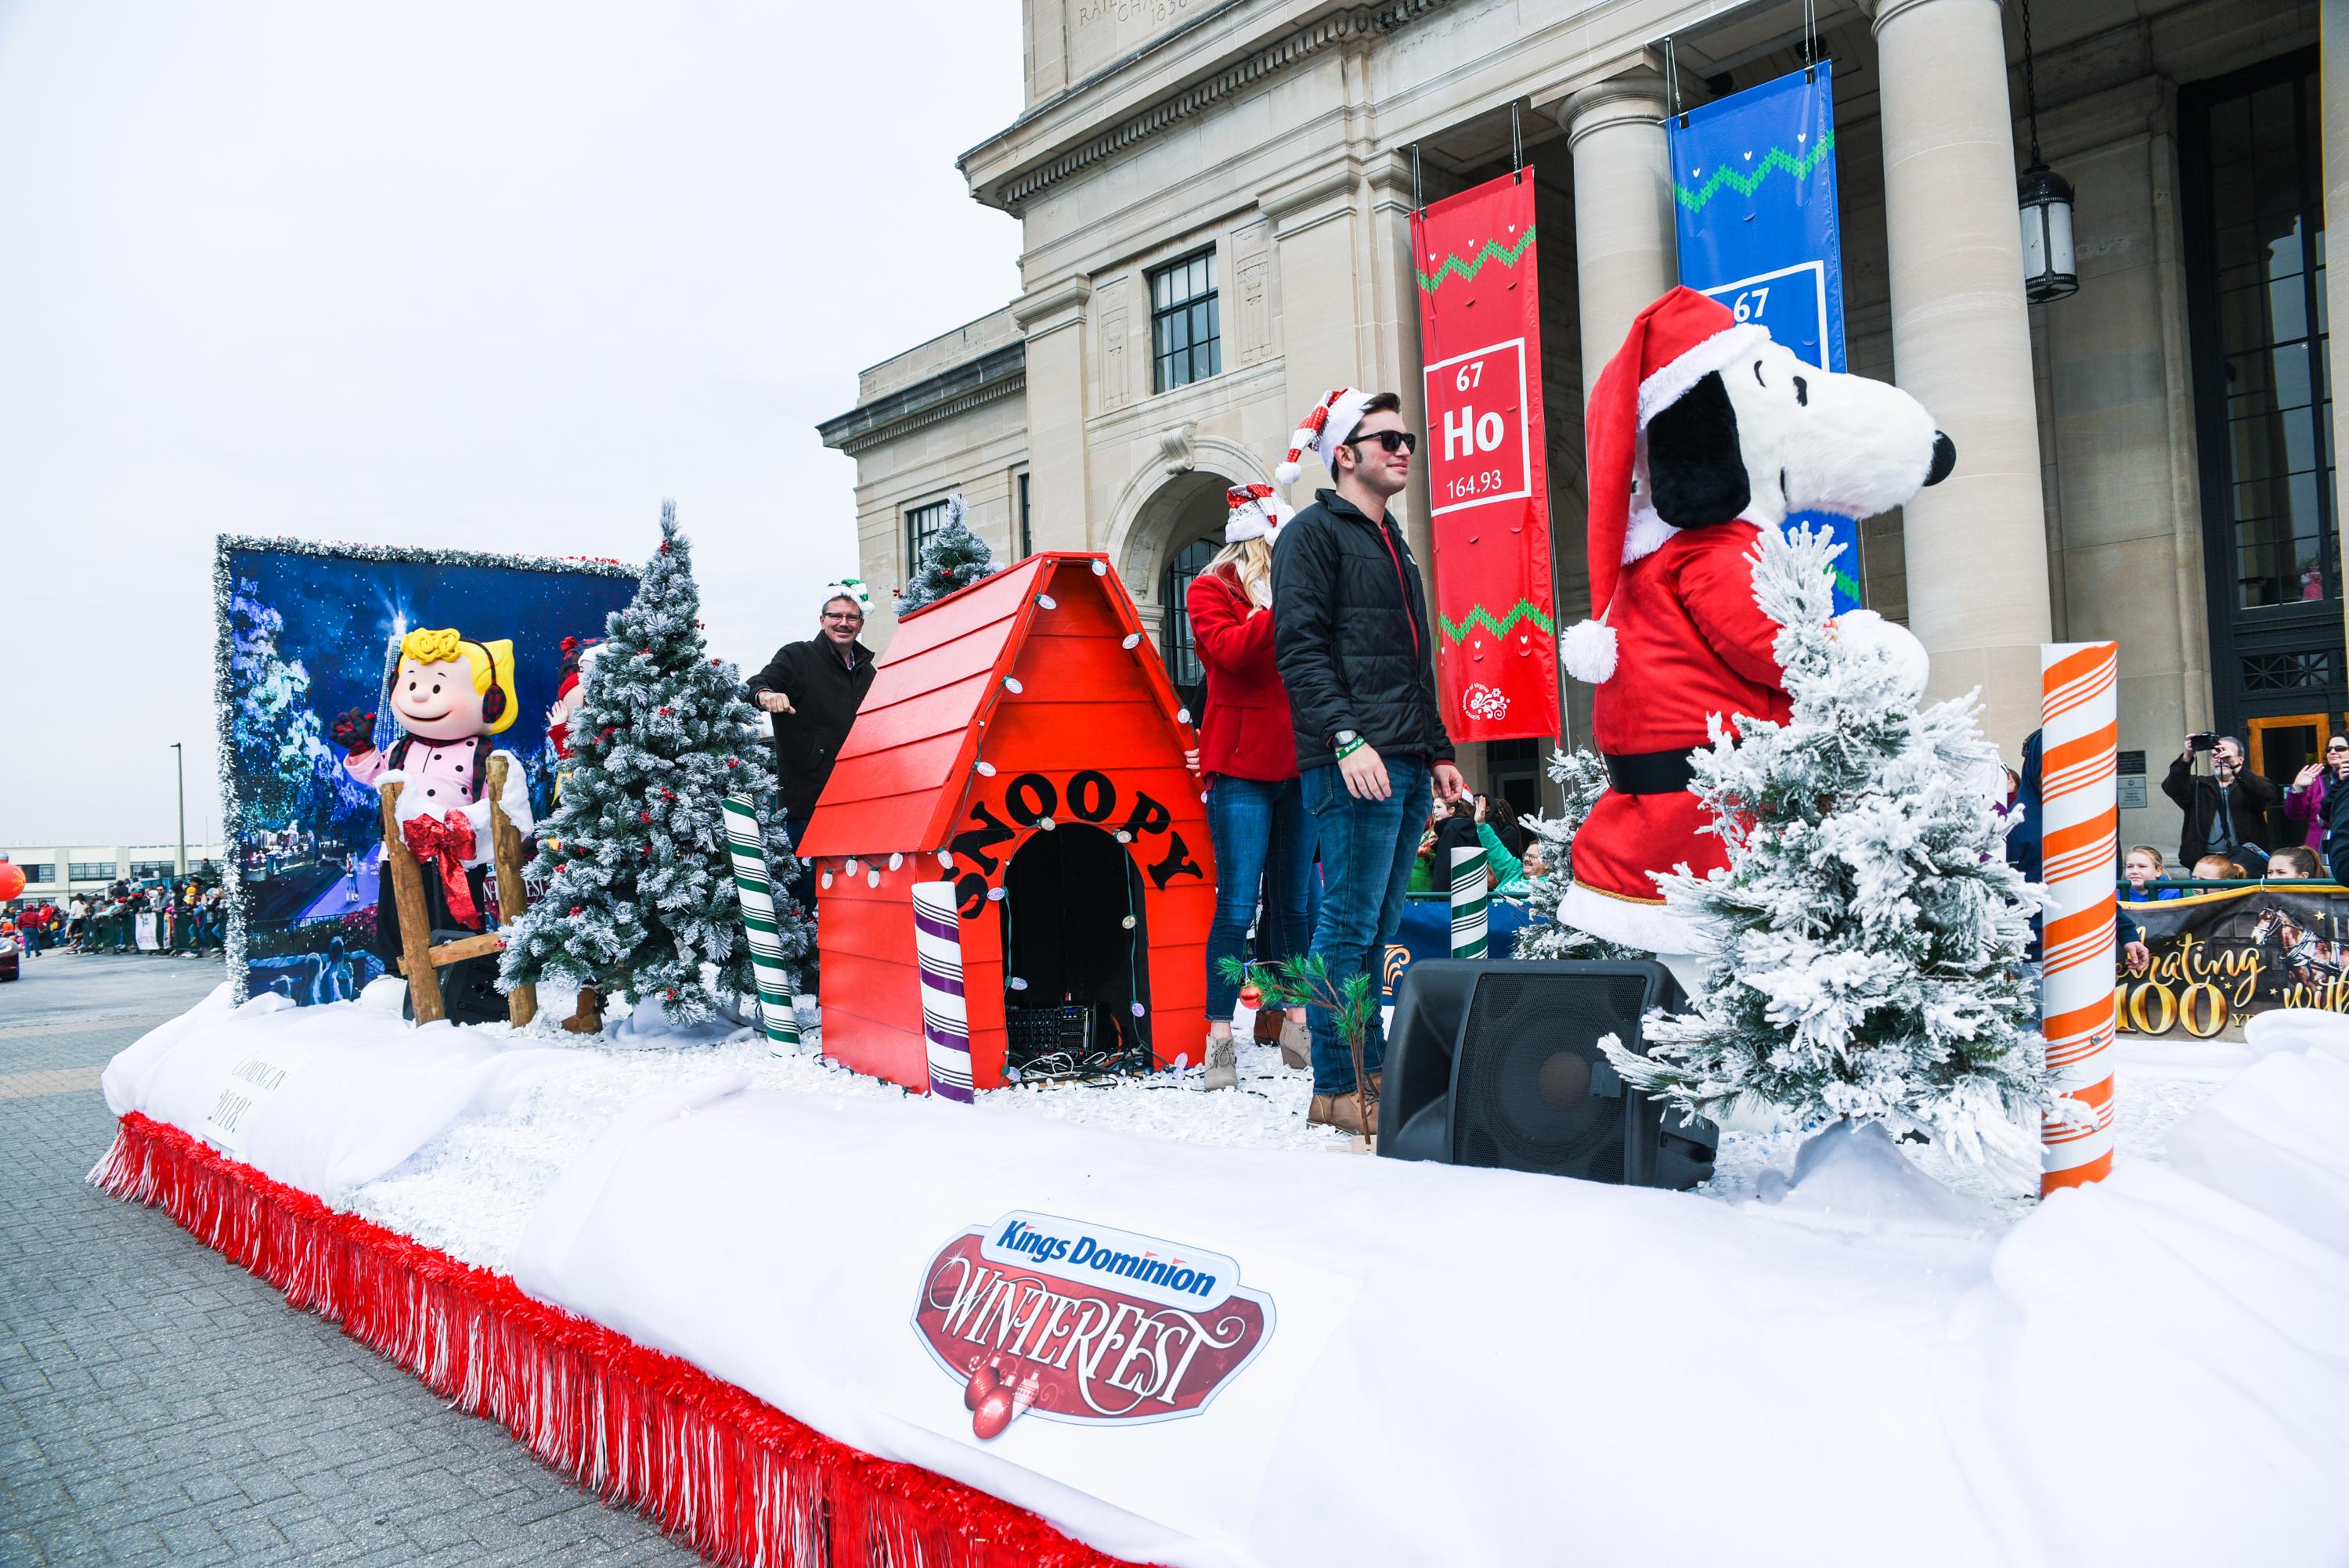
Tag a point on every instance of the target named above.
point(1268, 1021)
point(1343, 1111)
point(1223, 1063)
point(1296, 1044)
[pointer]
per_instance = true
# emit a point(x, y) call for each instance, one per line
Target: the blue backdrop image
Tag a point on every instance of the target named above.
point(307, 631)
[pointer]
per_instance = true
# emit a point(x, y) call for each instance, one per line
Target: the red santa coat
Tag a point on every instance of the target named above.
point(1246, 732)
point(1690, 643)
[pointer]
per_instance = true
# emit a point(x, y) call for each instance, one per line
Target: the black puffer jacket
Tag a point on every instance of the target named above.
point(1350, 635)
point(825, 691)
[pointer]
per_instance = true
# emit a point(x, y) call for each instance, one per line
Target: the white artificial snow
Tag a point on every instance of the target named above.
point(1822, 1379)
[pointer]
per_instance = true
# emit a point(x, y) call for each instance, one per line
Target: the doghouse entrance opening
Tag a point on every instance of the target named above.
point(1076, 946)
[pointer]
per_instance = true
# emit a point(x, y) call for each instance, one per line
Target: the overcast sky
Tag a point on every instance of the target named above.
point(499, 277)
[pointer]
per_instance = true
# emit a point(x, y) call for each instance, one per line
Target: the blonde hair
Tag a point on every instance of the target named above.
point(1251, 561)
point(2149, 853)
point(491, 664)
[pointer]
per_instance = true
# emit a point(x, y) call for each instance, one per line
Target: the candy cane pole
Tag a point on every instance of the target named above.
point(946, 1020)
point(756, 891)
point(1470, 904)
point(2079, 835)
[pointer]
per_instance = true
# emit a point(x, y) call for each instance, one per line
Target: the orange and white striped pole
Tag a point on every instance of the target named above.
point(2079, 838)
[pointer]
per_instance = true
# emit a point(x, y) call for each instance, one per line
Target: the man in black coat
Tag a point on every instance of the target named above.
point(814, 689)
point(1351, 636)
point(2226, 809)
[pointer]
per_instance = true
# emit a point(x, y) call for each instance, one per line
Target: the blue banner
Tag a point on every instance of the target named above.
point(1753, 188)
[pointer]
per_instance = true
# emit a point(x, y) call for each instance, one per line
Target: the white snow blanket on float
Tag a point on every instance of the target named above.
point(1422, 1365)
point(333, 1108)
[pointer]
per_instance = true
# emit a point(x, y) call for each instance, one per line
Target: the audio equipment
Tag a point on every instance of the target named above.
point(1497, 1063)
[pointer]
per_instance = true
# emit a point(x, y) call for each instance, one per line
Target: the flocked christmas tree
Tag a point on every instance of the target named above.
point(954, 558)
point(1581, 778)
point(277, 739)
point(1871, 939)
point(640, 887)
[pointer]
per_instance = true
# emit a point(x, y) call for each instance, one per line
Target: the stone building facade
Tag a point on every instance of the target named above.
point(1215, 199)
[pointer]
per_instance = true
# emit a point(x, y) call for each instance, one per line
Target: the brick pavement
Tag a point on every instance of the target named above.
point(159, 1404)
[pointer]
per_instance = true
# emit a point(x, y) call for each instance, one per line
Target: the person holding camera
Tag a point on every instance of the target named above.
point(2226, 809)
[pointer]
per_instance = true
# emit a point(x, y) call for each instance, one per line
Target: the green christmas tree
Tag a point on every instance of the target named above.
point(639, 886)
point(954, 558)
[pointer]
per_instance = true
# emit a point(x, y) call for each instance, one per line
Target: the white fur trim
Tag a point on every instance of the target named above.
point(1647, 534)
point(1653, 926)
point(1587, 649)
point(1665, 388)
point(1345, 413)
point(1288, 473)
point(1865, 632)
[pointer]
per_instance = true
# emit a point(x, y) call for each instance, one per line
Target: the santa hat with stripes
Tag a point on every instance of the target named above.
point(1323, 431)
point(1673, 344)
point(1255, 514)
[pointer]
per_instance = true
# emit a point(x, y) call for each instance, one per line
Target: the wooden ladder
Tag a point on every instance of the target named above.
point(420, 960)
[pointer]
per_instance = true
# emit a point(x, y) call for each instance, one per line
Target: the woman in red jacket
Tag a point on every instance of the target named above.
point(1255, 807)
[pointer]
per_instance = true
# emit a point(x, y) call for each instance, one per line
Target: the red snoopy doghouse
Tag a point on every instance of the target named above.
point(1021, 740)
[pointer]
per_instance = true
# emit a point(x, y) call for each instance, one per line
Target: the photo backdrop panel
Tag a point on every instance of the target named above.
point(309, 631)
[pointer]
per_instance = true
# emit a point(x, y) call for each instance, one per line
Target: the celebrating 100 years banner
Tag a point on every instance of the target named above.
point(1753, 194)
point(1488, 482)
point(2218, 957)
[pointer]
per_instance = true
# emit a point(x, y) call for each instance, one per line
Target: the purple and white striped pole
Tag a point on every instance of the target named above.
point(945, 1016)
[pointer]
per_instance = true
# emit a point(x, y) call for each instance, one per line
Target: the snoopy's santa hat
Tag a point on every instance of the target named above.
point(1322, 431)
point(1255, 514)
point(1673, 344)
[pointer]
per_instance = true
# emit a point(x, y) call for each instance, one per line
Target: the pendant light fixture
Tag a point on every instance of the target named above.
point(2049, 271)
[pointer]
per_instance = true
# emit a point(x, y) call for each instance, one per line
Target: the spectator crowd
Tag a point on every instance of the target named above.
point(191, 917)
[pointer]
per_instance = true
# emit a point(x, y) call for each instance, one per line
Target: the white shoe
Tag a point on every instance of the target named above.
point(1223, 1063)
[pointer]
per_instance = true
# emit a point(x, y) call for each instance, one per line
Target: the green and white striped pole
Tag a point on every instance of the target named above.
point(1469, 903)
point(757, 892)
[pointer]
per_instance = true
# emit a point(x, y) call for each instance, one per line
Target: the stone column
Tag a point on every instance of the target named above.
point(1624, 255)
point(1059, 501)
point(2333, 35)
point(1976, 543)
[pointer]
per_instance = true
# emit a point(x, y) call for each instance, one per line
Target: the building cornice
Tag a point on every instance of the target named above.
point(992, 377)
point(1081, 149)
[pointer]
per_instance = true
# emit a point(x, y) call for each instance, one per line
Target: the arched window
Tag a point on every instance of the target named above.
point(1182, 650)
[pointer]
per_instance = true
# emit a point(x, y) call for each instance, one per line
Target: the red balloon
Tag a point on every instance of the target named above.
point(12, 880)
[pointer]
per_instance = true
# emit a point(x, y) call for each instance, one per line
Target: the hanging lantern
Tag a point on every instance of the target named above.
point(2048, 270)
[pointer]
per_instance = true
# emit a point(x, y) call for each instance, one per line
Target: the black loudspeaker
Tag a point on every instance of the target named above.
point(1498, 1064)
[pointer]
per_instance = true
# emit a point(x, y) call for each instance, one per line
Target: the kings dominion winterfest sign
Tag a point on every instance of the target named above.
point(2219, 957)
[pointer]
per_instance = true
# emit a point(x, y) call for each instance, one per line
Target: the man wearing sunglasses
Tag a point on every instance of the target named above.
point(813, 690)
point(1350, 638)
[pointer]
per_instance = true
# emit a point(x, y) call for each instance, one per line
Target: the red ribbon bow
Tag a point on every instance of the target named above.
point(448, 841)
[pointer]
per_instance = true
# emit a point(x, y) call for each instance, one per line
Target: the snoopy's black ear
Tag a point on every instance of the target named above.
point(1695, 467)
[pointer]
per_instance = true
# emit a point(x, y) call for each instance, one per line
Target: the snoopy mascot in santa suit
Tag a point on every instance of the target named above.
point(1703, 432)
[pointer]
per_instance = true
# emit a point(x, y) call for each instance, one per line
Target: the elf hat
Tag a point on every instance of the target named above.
point(846, 588)
point(1673, 344)
point(1255, 514)
point(1323, 431)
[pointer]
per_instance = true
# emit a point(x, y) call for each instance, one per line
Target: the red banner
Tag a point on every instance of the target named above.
point(1488, 482)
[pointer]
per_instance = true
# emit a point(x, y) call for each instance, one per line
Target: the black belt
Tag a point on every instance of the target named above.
point(1650, 772)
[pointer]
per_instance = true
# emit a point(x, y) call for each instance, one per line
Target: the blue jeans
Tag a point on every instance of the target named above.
point(1261, 834)
point(1367, 849)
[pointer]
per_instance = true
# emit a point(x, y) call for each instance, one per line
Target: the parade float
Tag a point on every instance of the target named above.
point(854, 1303)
